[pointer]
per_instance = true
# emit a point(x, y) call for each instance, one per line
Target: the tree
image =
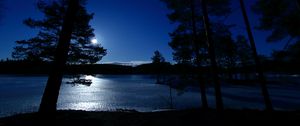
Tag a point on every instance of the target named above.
point(157, 58)
point(50, 96)
point(288, 59)
point(158, 61)
point(64, 35)
point(258, 66)
point(226, 54)
point(245, 59)
point(212, 56)
point(196, 48)
point(281, 17)
point(42, 47)
point(189, 39)
point(190, 32)
point(181, 45)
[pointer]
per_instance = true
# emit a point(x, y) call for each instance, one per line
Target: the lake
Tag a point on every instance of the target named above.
point(20, 94)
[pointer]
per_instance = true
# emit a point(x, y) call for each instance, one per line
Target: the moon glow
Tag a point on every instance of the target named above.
point(94, 41)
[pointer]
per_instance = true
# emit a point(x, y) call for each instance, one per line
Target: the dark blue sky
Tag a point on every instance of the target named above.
point(131, 30)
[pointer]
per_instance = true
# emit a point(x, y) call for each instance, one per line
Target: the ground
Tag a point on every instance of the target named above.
point(190, 117)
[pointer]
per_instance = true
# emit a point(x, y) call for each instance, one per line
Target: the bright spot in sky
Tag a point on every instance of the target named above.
point(94, 41)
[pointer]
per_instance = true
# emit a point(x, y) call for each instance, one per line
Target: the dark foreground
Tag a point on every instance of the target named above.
point(167, 118)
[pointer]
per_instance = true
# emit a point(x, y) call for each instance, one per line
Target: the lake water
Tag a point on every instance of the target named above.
point(20, 94)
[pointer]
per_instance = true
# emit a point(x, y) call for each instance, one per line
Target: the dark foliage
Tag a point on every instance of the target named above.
point(43, 46)
point(282, 17)
point(185, 42)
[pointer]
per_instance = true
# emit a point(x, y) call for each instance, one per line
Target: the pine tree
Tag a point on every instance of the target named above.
point(281, 17)
point(42, 46)
point(158, 61)
point(64, 36)
point(157, 58)
point(258, 65)
point(189, 40)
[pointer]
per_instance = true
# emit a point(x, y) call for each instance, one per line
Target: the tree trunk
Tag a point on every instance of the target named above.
point(171, 97)
point(196, 44)
point(212, 56)
point(50, 96)
point(261, 77)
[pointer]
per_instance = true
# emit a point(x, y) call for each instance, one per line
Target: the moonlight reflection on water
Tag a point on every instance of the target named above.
point(111, 92)
point(82, 97)
point(21, 94)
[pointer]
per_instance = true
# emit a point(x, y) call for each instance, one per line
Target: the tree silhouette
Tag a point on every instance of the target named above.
point(189, 40)
point(281, 17)
point(42, 47)
point(187, 46)
point(244, 55)
point(50, 96)
point(212, 56)
point(258, 67)
point(181, 37)
point(158, 61)
point(157, 58)
point(226, 53)
point(288, 60)
point(64, 36)
point(198, 55)
point(293, 52)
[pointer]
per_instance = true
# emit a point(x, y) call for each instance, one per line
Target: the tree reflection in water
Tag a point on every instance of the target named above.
point(80, 80)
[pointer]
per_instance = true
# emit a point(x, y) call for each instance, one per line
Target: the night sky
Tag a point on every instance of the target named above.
point(130, 30)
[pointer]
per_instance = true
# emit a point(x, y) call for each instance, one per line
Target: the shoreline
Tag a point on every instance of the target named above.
point(189, 117)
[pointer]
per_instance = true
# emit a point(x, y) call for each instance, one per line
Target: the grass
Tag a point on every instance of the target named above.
point(191, 117)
